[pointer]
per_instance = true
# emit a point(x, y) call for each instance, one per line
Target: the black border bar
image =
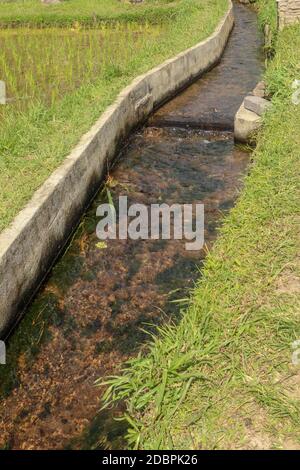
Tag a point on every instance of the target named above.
point(138, 459)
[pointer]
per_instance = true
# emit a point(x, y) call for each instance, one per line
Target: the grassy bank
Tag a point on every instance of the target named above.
point(224, 377)
point(15, 13)
point(268, 14)
point(50, 97)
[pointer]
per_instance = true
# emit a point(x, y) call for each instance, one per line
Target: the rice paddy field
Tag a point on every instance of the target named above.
point(15, 13)
point(64, 64)
point(44, 64)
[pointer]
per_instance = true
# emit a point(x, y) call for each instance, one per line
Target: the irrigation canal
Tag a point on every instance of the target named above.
point(87, 318)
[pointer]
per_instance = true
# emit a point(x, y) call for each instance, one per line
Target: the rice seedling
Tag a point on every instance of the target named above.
point(44, 65)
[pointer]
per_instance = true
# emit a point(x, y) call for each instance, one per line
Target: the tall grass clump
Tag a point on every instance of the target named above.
point(268, 13)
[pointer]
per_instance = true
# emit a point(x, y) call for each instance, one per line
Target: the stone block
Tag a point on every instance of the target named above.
point(245, 124)
point(256, 104)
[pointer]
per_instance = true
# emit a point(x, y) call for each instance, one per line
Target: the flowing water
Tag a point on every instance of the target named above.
point(91, 314)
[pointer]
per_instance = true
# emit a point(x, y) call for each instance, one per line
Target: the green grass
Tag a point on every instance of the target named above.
point(268, 13)
point(88, 12)
point(268, 19)
point(223, 378)
point(66, 101)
